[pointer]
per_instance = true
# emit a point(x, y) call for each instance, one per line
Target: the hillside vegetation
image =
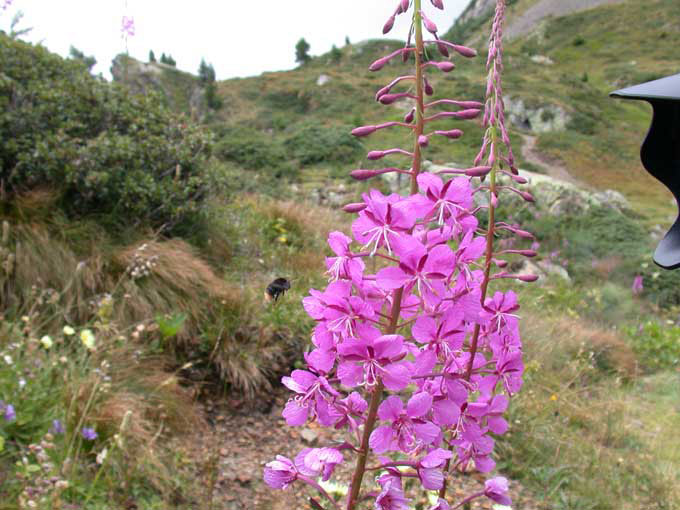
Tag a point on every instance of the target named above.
point(136, 245)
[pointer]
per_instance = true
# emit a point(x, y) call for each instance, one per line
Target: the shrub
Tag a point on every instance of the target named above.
point(254, 150)
point(104, 150)
point(311, 143)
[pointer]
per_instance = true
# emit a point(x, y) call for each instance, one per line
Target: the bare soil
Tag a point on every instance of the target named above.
point(243, 439)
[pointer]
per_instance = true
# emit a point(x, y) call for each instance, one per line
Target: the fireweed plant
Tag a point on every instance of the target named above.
point(416, 362)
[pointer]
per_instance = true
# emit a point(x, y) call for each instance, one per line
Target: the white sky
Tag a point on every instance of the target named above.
point(239, 37)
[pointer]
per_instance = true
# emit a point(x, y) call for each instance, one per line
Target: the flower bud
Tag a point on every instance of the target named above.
point(429, 24)
point(363, 174)
point(391, 98)
point(428, 88)
point(382, 92)
point(364, 130)
point(477, 171)
point(527, 196)
point(528, 277)
point(438, 4)
point(464, 51)
point(470, 113)
point(445, 66)
point(423, 141)
point(494, 200)
point(408, 118)
point(452, 134)
point(443, 49)
point(373, 155)
point(388, 25)
point(354, 207)
point(403, 5)
point(378, 64)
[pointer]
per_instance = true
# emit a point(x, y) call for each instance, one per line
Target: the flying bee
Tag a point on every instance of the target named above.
point(276, 289)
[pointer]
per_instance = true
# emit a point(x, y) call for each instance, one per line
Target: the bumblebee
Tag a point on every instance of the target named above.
point(276, 289)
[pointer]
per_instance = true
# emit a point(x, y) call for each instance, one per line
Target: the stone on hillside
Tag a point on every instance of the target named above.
point(322, 80)
point(542, 59)
point(537, 119)
point(545, 270)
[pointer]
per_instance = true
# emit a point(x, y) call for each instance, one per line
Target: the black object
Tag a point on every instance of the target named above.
point(277, 288)
point(660, 153)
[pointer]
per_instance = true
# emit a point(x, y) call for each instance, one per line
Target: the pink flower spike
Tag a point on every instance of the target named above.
point(128, 26)
point(637, 285)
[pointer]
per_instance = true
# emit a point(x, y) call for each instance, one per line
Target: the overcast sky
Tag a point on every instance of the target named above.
point(239, 37)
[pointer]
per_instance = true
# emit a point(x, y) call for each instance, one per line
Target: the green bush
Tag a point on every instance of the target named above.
point(657, 345)
point(311, 143)
point(100, 148)
point(254, 150)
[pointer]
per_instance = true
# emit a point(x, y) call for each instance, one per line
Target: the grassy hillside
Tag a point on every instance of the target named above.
point(124, 327)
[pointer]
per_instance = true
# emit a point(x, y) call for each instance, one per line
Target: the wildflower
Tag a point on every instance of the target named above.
point(637, 285)
point(280, 473)
point(408, 428)
point(87, 337)
point(8, 359)
point(128, 26)
point(391, 497)
point(57, 428)
point(6, 4)
point(496, 489)
point(88, 434)
point(315, 461)
point(69, 331)
point(7, 411)
point(101, 456)
point(46, 342)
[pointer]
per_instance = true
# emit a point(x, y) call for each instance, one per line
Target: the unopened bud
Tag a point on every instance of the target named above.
point(528, 277)
point(477, 171)
point(423, 141)
point(408, 118)
point(467, 114)
point(403, 5)
point(354, 207)
point(429, 24)
point(527, 196)
point(363, 174)
point(428, 88)
point(364, 130)
point(452, 134)
point(445, 66)
point(382, 92)
point(443, 49)
point(494, 200)
point(388, 25)
point(500, 263)
point(438, 4)
point(378, 64)
point(391, 98)
point(464, 50)
point(373, 155)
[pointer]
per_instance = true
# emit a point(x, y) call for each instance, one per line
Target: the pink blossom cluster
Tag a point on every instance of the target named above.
point(414, 361)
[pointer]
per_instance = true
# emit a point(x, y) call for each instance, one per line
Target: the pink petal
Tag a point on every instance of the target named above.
point(419, 404)
point(381, 439)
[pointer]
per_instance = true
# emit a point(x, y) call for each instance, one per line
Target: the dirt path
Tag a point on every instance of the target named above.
point(242, 440)
point(545, 8)
point(553, 168)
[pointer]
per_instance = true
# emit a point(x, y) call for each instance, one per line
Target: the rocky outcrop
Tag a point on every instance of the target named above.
point(537, 119)
point(182, 90)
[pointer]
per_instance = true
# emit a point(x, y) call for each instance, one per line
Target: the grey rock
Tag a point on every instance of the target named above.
point(537, 119)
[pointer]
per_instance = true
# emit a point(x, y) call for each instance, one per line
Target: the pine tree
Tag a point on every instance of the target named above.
point(302, 52)
point(152, 56)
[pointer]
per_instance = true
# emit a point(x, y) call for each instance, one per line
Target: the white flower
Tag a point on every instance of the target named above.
point(101, 456)
point(68, 331)
point(87, 337)
point(46, 342)
point(8, 359)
